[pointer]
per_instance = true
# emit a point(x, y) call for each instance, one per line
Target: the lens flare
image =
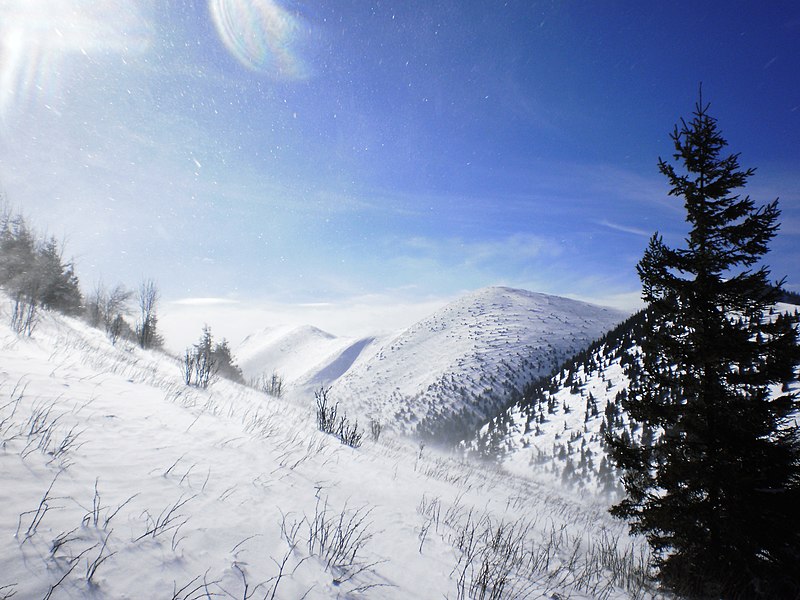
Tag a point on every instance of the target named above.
point(261, 34)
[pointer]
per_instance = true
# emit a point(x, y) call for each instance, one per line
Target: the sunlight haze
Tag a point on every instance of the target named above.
point(284, 153)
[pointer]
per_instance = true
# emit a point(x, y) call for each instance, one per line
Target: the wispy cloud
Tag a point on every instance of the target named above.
point(624, 301)
point(625, 228)
point(515, 247)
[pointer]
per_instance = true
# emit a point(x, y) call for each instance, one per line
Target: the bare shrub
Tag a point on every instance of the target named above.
point(326, 414)
point(499, 558)
point(146, 328)
point(330, 421)
point(199, 363)
point(491, 554)
point(195, 589)
point(349, 433)
point(102, 556)
point(336, 538)
point(169, 520)
point(38, 513)
point(107, 309)
point(375, 429)
point(271, 385)
point(24, 314)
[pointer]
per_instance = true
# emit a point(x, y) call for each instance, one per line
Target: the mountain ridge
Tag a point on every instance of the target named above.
point(304, 356)
point(439, 377)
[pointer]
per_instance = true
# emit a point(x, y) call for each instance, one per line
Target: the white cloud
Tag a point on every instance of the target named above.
point(625, 228)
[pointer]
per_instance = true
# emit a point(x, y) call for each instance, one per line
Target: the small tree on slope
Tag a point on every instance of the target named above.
point(717, 492)
point(147, 334)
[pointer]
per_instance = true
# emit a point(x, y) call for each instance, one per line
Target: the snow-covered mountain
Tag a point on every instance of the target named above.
point(449, 372)
point(443, 376)
point(559, 424)
point(304, 357)
point(117, 480)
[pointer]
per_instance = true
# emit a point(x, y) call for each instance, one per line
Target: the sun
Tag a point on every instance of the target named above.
point(39, 38)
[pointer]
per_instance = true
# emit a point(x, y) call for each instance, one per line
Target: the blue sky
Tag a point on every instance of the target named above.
point(342, 153)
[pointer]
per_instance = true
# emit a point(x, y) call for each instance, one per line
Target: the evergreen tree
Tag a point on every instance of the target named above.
point(199, 365)
point(60, 289)
point(17, 255)
point(716, 487)
point(34, 269)
point(225, 362)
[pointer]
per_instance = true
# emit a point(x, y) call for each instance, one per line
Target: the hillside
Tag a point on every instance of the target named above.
point(305, 357)
point(119, 481)
point(559, 423)
point(447, 373)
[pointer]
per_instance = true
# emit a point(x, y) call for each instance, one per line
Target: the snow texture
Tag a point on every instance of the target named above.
point(558, 427)
point(444, 375)
point(461, 364)
point(119, 481)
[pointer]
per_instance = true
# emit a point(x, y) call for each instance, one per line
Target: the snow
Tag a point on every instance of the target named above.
point(303, 356)
point(531, 437)
point(118, 481)
point(470, 355)
point(567, 427)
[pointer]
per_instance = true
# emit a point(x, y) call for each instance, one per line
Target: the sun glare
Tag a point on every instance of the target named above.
point(39, 37)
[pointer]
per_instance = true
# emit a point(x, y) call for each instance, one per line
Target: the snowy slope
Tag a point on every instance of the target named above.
point(444, 375)
point(559, 425)
point(118, 481)
point(303, 356)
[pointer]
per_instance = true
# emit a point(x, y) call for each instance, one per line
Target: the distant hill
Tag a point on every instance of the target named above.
point(788, 297)
point(443, 376)
point(558, 423)
point(305, 357)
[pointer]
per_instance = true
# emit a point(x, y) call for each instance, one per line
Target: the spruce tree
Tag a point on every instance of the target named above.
point(60, 289)
point(716, 489)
